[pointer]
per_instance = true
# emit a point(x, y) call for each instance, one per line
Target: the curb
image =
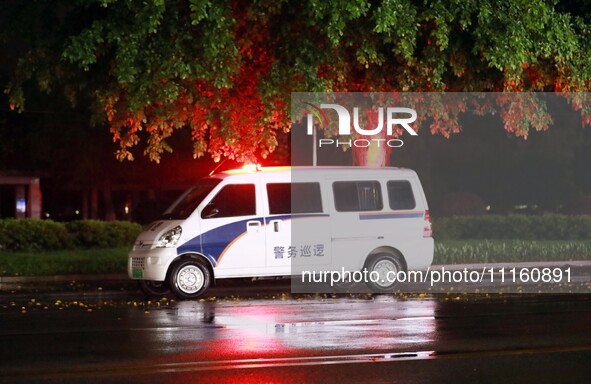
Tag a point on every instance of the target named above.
point(63, 278)
point(531, 264)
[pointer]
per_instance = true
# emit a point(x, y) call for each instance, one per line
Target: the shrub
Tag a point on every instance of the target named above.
point(544, 227)
point(102, 234)
point(33, 235)
point(122, 233)
point(45, 235)
point(86, 234)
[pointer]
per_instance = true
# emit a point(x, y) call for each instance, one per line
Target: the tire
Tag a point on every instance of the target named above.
point(154, 288)
point(189, 279)
point(383, 264)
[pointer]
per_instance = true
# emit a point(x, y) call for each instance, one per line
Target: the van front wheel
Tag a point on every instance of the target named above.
point(189, 279)
point(382, 270)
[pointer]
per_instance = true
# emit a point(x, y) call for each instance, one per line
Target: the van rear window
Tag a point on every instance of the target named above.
point(356, 196)
point(400, 195)
point(285, 198)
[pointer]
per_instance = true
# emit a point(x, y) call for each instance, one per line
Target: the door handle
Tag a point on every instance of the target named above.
point(275, 224)
point(252, 225)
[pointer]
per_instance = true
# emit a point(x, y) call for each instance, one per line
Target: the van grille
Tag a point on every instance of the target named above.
point(138, 262)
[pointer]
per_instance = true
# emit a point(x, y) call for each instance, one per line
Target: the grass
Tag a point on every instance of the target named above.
point(67, 262)
point(491, 251)
point(114, 260)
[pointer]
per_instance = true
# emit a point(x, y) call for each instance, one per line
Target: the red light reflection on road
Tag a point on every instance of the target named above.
point(225, 330)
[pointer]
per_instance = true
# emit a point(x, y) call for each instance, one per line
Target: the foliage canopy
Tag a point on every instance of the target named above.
point(225, 68)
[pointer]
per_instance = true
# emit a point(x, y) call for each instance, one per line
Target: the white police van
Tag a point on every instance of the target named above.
point(261, 222)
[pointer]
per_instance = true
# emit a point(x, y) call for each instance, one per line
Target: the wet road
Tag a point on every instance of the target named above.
point(274, 337)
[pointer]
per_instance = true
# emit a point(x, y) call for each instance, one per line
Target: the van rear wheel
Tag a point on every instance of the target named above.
point(189, 279)
point(382, 270)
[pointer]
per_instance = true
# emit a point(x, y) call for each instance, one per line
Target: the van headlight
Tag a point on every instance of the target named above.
point(170, 238)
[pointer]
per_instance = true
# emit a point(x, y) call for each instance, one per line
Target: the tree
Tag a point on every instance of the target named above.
point(225, 69)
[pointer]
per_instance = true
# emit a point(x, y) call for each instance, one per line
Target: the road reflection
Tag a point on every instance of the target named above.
point(289, 339)
point(225, 335)
point(229, 330)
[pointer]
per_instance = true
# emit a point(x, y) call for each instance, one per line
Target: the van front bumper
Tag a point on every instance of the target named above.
point(150, 264)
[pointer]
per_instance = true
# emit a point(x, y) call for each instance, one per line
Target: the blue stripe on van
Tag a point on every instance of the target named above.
point(218, 239)
point(391, 215)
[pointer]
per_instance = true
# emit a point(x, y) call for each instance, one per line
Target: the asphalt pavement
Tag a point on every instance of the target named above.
point(264, 334)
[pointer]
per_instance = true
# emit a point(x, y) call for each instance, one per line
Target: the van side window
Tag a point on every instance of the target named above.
point(232, 200)
point(306, 198)
point(400, 195)
point(355, 196)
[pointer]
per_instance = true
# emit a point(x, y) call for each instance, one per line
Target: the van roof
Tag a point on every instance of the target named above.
point(322, 169)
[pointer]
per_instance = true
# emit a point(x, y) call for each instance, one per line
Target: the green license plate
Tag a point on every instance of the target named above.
point(137, 273)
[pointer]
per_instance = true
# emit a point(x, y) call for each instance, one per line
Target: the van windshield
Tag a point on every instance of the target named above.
point(186, 204)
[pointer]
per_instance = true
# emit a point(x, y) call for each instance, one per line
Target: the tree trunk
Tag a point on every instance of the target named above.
point(94, 203)
point(377, 153)
point(109, 207)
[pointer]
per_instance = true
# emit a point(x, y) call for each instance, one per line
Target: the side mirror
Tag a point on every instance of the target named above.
point(209, 212)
